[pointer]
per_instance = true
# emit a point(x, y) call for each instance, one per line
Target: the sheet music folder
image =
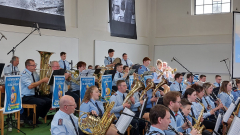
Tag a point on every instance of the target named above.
point(55, 72)
point(218, 123)
point(234, 129)
point(230, 110)
point(124, 121)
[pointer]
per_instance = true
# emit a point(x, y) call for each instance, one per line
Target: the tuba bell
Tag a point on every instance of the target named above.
point(45, 71)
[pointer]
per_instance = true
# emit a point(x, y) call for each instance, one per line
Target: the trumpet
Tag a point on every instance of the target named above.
point(169, 69)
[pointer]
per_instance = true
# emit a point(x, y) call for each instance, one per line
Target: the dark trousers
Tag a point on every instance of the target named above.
point(75, 95)
point(43, 105)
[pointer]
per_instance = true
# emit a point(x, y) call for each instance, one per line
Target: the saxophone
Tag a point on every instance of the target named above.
point(197, 125)
point(96, 125)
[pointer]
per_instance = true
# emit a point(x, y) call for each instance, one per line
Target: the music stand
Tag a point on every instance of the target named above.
point(145, 74)
point(55, 72)
point(88, 72)
point(130, 73)
point(1, 68)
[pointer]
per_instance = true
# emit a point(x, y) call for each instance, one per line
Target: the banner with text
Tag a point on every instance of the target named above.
point(58, 90)
point(85, 83)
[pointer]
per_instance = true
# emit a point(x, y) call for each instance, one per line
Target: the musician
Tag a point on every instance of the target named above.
point(218, 79)
point(189, 81)
point(91, 104)
point(90, 67)
point(172, 100)
point(108, 61)
point(63, 63)
point(167, 74)
point(64, 121)
point(29, 83)
point(125, 69)
point(97, 66)
point(236, 92)
point(202, 79)
point(156, 78)
point(118, 75)
point(176, 85)
point(8, 69)
point(225, 94)
point(143, 68)
point(126, 61)
point(160, 119)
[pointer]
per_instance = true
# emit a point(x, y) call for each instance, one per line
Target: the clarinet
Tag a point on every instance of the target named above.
point(174, 130)
point(185, 119)
point(224, 109)
point(209, 106)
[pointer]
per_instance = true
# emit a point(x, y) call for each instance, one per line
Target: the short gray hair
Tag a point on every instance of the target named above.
point(52, 63)
point(14, 58)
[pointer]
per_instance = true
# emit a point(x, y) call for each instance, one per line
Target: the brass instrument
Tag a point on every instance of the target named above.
point(99, 77)
point(159, 72)
point(144, 92)
point(45, 71)
point(96, 125)
point(171, 70)
point(75, 76)
point(164, 81)
point(138, 85)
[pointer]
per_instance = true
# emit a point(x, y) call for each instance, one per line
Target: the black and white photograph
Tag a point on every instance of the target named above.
point(122, 18)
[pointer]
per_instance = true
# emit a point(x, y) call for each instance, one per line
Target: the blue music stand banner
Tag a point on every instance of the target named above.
point(106, 86)
point(85, 83)
point(147, 77)
point(131, 79)
point(58, 90)
point(13, 100)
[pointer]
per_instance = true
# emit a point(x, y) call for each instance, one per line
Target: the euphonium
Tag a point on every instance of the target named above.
point(45, 71)
point(138, 85)
point(144, 92)
point(75, 76)
point(96, 125)
point(164, 81)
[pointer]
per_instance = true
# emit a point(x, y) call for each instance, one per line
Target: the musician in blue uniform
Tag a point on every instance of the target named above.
point(64, 121)
point(91, 103)
point(126, 61)
point(176, 85)
point(118, 76)
point(218, 79)
point(189, 81)
point(236, 92)
point(157, 78)
point(8, 68)
point(167, 74)
point(160, 119)
point(64, 64)
point(143, 68)
point(225, 94)
point(108, 61)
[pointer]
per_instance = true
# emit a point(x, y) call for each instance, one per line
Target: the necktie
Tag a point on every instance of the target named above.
point(180, 87)
point(100, 111)
point(126, 62)
point(64, 65)
point(111, 60)
point(119, 75)
point(15, 71)
point(193, 121)
point(74, 125)
point(123, 97)
point(219, 85)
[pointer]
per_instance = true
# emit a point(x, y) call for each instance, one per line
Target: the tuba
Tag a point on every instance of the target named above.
point(45, 71)
point(96, 125)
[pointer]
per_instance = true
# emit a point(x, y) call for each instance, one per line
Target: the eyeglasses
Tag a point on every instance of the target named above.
point(33, 65)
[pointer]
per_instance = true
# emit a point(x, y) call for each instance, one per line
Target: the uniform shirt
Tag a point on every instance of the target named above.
point(27, 80)
point(107, 61)
point(91, 106)
point(137, 102)
point(62, 124)
point(169, 75)
point(62, 64)
point(8, 70)
point(197, 108)
point(175, 87)
point(117, 77)
point(142, 69)
point(236, 94)
point(158, 131)
point(226, 99)
point(129, 63)
point(185, 86)
point(74, 86)
point(180, 122)
point(174, 125)
point(155, 77)
point(217, 84)
point(118, 106)
point(210, 101)
point(149, 95)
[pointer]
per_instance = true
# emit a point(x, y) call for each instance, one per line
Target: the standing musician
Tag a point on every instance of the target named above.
point(8, 69)
point(160, 119)
point(63, 63)
point(118, 76)
point(236, 92)
point(176, 85)
point(108, 61)
point(143, 68)
point(218, 79)
point(29, 83)
point(167, 74)
point(189, 81)
point(126, 61)
point(91, 104)
point(156, 77)
point(172, 100)
point(64, 121)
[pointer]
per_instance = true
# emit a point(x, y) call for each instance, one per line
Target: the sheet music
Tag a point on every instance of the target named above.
point(219, 120)
point(230, 110)
point(124, 121)
point(234, 129)
point(143, 107)
point(146, 73)
point(87, 72)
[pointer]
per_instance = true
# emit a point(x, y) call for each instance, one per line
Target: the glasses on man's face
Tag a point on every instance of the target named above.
point(33, 65)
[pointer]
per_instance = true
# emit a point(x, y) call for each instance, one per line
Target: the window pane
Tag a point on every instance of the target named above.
point(207, 9)
point(224, 1)
point(199, 2)
point(207, 1)
point(199, 9)
point(217, 8)
point(226, 7)
point(216, 1)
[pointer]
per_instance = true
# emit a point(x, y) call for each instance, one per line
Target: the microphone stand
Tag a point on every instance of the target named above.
point(230, 76)
point(184, 68)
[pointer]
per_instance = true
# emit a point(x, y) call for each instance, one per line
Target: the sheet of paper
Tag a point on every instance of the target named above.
point(228, 112)
point(124, 121)
point(219, 120)
point(234, 129)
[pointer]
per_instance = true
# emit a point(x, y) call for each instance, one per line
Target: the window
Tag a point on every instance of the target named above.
point(212, 6)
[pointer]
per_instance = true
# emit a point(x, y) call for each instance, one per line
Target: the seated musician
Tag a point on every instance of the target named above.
point(64, 64)
point(108, 61)
point(64, 121)
point(160, 119)
point(202, 80)
point(118, 76)
point(55, 66)
point(189, 81)
point(172, 100)
point(236, 92)
point(125, 69)
point(91, 104)
point(13, 65)
point(126, 61)
point(90, 67)
point(29, 83)
point(225, 94)
point(156, 76)
point(167, 74)
point(97, 66)
point(218, 79)
point(144, 67)
point(176, 85)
